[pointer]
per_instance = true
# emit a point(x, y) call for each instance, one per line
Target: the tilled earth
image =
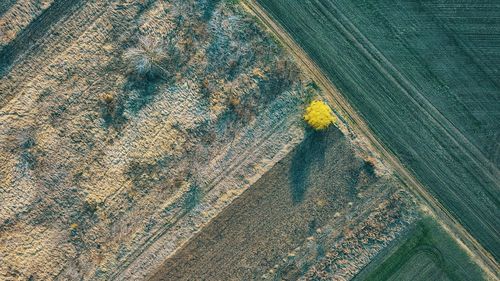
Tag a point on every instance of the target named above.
point(318, 214)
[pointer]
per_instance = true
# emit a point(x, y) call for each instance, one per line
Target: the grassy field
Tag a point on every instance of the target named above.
point(320, 210)
point(426, 253)
point(100, 163)
point(423, 78)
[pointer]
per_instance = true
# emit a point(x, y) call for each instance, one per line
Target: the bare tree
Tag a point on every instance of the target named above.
point(147, 56)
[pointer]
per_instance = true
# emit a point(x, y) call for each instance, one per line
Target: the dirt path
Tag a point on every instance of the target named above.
point(360, 128)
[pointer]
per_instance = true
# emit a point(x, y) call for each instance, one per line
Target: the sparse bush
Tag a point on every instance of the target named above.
point(319, 115)
point(108, 104)
point(244, 109)
point(286, 73)
point(147, 57)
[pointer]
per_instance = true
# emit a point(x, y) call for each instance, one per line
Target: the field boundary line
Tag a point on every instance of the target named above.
point(372, 53)
point(374, 59)
point(211, 185)
point(450, 224)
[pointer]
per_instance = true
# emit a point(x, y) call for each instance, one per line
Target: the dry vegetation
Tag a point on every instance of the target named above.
point(16, 15)
point(147, 57)
point(100, 160)
point(142, 121)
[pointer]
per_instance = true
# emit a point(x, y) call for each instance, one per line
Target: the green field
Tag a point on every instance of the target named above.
point(424, 77)
point(427, 253)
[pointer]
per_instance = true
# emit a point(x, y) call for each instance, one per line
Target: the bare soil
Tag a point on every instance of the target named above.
point(319, 213)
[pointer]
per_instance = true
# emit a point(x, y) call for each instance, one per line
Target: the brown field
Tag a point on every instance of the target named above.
point(319, 213)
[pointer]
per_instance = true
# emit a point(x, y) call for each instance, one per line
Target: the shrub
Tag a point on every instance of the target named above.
point(146, 57)
point(319, 115)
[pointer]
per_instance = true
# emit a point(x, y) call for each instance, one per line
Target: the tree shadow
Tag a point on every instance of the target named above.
point(307, 154)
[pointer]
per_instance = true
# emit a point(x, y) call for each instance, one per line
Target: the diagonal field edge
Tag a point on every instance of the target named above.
point(452, 226)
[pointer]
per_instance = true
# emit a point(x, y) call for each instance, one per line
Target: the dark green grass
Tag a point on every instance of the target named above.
point(427, 242)
point(424, 77)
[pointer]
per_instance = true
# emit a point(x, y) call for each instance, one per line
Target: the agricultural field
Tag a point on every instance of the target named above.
point(321, 213)
point(166, 140)
point(423, 75)
point(126, 128)
point(426, 252)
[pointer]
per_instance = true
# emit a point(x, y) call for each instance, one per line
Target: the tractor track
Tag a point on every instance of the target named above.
point(35, 31)
point(30, 52)
point(240, 161)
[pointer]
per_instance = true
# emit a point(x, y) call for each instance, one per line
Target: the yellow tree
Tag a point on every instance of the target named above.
point(319, 115)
